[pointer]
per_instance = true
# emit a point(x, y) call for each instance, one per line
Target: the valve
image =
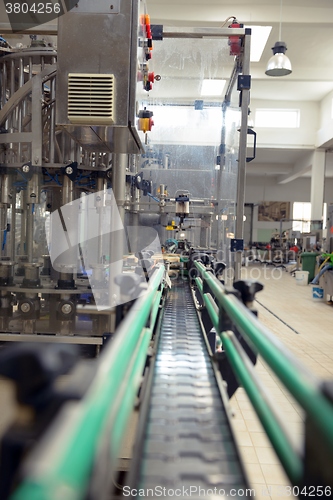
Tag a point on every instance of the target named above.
point(235, 41)
point(71, 170)
point(129, 285)
point(148, 26)
point(248, 289)
point(29, 308)
point(66, 310)
point(145, 122)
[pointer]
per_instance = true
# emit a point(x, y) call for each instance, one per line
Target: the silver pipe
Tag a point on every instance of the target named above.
point(52, 122)
point(91, 309)
point(12, 92)
point(99, 208)
point(23, 206)
point(21, 72)
point(4, 83)
point(30, 67)
point(21, 107)
point(12, 78)
point(13, 228)
point(30, 229)
point(68, 190)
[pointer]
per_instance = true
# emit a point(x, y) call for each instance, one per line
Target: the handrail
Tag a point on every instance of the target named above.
point(297, 379)
point(106, 406)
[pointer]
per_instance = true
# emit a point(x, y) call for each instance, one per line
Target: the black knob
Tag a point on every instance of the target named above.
point(248, 289)
point(128, 283)
point(34, 367)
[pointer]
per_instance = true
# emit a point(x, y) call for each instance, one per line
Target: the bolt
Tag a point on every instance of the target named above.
point(66, 309)
point(25, 168)
point(111, 7)
point(69, 170)
point(25, 307)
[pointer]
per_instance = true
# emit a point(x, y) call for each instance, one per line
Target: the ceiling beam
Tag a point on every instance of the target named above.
point(301, 167)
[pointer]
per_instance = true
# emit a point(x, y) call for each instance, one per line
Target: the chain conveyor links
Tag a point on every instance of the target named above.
point(186, 438)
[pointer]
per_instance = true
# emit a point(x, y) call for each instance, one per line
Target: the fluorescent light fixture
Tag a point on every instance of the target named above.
point(259, 37)
point(212, 87)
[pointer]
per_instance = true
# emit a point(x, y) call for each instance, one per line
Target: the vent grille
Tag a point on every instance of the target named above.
point(91, 98)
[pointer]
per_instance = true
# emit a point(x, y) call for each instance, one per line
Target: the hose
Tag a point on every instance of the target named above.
point(322, 271)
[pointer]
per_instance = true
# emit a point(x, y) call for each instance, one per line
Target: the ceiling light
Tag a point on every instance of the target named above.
point(212, 87)
point(259, 37)
point(279, 64)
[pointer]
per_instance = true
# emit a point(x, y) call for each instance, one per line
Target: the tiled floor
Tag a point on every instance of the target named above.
point(313, 346)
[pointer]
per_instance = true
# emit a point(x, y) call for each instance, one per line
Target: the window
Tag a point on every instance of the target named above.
point(301, 212)
point(277, 118)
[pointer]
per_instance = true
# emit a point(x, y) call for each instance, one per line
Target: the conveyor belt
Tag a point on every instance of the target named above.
point(187, 439)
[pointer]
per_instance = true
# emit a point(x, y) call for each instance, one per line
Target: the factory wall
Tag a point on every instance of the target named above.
point(303, 137)
point(259, 188)
point(324, 136)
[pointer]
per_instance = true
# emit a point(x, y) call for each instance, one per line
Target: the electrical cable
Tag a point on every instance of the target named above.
point(228, 19)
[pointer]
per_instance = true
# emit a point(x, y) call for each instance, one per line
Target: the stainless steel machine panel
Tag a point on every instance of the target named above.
point(102, 42)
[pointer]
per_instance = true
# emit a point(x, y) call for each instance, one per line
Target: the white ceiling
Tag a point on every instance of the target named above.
point(307, 29)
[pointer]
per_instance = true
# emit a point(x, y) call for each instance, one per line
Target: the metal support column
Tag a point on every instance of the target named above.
point(239, 229)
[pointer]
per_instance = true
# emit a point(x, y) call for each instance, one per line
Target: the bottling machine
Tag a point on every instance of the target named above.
point(102, 175)
point(80, 184)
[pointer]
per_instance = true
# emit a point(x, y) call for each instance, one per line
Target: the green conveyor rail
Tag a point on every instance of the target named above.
point(303, 386)
point(77, 454)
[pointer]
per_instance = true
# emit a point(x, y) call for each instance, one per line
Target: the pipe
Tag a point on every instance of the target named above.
point(322, 271)
point(13, 228)
point(30, 228)
point(52, 123)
